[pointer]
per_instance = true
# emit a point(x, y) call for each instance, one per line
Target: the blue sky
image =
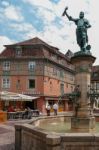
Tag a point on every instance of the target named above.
point(24, 19)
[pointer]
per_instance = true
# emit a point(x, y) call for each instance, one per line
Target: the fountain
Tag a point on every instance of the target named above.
point(82, 135)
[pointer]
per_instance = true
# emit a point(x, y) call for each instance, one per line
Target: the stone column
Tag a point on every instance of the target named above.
point(84, 120)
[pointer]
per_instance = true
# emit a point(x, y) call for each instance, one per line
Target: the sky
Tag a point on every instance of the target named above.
point(25, 19)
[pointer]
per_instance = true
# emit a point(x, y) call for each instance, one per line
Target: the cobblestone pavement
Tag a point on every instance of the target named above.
point(7, 134)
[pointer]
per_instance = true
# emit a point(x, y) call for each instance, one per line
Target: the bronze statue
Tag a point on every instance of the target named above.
point(81, 31)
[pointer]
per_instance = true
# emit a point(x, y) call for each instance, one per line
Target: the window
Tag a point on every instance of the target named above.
point(53, 56)
point(62, 88)
point(6, 83)
point(51, 86)
point(18, 50)
point(32, 65)
point(97, 86)
point(54, 71)
point(18, 84)
point(61, 74)
point(92, 86)
point(71, 77)
point(31, 83)
point(6, 65)
point(95, 74)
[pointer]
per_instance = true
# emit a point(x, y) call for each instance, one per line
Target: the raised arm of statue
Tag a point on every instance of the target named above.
point(69, 17)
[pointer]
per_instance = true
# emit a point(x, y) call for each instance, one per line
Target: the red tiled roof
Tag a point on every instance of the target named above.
point(7, 53)
point(34, 41)
point(31, 42)
point(34, 52)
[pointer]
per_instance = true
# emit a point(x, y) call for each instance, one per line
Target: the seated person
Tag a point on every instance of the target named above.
point(25, 114)
point(11, 109)
point(17, 108)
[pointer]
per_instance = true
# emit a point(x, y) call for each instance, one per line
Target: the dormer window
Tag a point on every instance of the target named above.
point(53, 56)
point(18, 50)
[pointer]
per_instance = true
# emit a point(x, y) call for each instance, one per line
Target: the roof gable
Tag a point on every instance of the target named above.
point(32, 41)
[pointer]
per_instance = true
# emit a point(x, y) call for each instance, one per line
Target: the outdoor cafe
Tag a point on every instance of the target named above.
point(12, 106)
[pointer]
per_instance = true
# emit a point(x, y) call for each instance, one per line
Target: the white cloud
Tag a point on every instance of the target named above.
point(13, 13)
point(59, 37)
point(46, 15)
point(22, 27)
point(4, 40)
point(45, 10)
point(40, 3)
point(26, 30)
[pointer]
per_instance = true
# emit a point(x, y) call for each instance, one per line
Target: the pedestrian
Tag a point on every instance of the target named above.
point(55, 108)
point(48, 108)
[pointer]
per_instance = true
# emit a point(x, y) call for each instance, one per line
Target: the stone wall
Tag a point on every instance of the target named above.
point(28, 137)
point(80, 141)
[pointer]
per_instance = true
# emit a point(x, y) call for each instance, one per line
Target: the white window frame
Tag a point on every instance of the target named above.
point(31, 65)
point(5, 83)
point(18, 52)
point(6, 65)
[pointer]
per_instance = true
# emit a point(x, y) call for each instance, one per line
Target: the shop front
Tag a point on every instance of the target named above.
point(13, 102)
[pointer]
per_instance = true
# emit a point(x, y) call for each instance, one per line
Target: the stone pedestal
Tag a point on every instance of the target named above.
point(83, 119)
point(86, 124)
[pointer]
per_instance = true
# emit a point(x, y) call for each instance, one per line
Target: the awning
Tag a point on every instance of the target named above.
point(55, 98)
point(10, 96)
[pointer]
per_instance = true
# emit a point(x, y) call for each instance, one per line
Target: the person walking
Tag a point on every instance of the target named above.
point(55, 108)
point(48, 108)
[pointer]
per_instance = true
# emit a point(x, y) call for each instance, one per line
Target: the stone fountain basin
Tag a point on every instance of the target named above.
point(33, 137)
point(54, 124)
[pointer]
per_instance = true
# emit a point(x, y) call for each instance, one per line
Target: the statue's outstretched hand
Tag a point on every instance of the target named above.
point(66, 8)
point(64, 13)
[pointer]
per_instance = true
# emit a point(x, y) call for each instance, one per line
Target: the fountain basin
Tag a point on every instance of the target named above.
point(34, 136)
point(60, 125)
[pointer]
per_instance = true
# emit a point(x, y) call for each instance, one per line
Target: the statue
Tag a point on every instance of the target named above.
point(81, 31)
